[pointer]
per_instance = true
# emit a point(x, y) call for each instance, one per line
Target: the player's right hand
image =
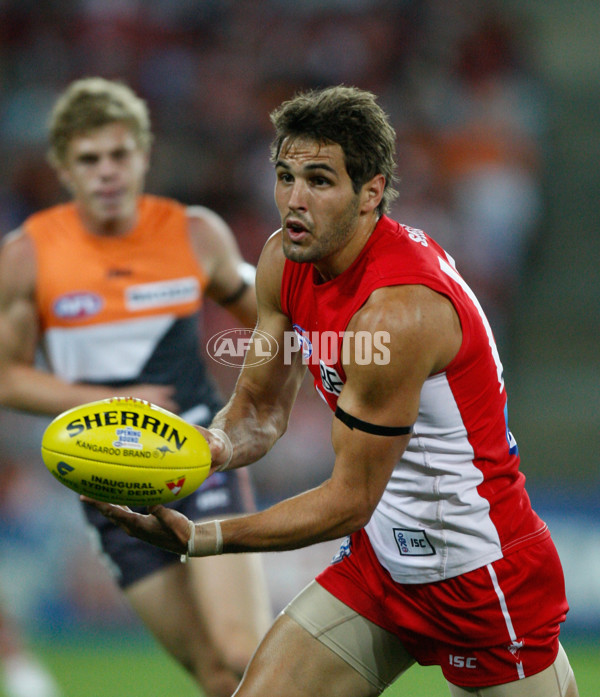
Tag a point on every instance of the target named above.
point(162, 527)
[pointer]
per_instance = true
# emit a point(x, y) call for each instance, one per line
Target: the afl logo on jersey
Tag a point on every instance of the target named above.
point(78, 305)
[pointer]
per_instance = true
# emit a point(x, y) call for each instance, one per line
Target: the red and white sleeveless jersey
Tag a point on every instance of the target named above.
point(456, 499)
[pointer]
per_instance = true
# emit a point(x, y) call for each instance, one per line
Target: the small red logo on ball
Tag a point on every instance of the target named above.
point(176, 485)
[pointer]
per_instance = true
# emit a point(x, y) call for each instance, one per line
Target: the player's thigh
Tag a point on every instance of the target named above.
point(232, 593)
point(556, 681)
point(164, 602)
point(290, 661)
point(371, 651)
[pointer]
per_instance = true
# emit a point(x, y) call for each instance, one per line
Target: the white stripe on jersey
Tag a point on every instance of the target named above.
point(104, 352)
point(432, 500)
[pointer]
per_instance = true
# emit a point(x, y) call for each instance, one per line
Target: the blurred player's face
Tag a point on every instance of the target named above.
point(104, 171)
point(320, 212)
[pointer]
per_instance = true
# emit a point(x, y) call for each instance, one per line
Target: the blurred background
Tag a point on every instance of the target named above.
point(496, 107)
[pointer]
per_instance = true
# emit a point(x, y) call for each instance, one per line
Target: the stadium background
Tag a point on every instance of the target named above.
point(496, 107)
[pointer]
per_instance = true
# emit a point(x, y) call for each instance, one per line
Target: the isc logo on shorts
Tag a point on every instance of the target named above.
point(462, 661)
point(413, 542)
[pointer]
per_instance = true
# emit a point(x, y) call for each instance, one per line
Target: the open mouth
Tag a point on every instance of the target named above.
point(296, 230)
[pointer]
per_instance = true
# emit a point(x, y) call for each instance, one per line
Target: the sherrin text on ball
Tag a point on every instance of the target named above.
point(126, 451)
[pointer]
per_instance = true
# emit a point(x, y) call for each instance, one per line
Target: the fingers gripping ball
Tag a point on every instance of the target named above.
point(127, 451)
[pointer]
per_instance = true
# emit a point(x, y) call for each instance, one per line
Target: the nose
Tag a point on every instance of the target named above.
point(297, 197)
point(106, 167)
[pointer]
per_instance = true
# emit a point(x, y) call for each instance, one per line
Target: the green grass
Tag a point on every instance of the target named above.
point(103, 667)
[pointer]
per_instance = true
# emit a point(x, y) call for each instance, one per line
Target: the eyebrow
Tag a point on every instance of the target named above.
point(307, 168)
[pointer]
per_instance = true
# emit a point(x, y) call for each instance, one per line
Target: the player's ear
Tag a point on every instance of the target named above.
point(372, 193)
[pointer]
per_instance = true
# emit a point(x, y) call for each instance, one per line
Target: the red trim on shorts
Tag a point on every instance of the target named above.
point(490, 626)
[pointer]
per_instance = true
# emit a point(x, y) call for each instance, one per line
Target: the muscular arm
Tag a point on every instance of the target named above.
point(424, 336)
point(257, 413)
point(218, 254)
point(22, 385)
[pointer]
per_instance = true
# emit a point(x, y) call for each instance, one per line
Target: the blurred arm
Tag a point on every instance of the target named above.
point(231, 279)
point(22, 385)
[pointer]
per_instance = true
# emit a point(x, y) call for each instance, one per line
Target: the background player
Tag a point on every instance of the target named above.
point(446, 562)
point(110, 286)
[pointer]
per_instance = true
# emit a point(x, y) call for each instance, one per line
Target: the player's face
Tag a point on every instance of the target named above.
point(319, 209)
point(104, 171)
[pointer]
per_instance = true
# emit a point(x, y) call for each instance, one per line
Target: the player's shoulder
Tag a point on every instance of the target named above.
point(273, 246)
point(207, 227)
point(17, 264)
point(412, 316)
point(16, 246)
point(202, 214)
point(63, 212)
point(404, 305)
point(272, 257)
point(270, 266)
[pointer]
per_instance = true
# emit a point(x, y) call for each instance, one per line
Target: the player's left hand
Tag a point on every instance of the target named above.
point(162, 527)
point(221, 450)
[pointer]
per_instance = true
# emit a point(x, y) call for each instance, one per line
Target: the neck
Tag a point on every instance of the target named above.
point(336, 263)
point(109, 227)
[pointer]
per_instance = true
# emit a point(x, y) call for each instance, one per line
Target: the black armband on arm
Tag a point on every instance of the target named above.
point(236, 295)
point(352, 422)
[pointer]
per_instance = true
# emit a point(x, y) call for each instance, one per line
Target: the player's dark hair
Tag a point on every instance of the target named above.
point(91, 103)
point(349, 117)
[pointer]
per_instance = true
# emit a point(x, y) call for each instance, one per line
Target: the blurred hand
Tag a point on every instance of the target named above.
point(162, 527)
point(161, 395)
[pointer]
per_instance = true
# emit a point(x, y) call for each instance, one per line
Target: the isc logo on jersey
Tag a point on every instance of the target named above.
point(77, 305)
point(413, 542)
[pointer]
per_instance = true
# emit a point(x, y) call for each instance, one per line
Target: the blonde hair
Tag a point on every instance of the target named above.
point(91, 103)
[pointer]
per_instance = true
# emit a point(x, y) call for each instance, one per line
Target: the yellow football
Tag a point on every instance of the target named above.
point(127, 451)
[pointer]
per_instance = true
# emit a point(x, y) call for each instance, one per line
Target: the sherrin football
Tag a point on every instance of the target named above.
point(127, 451)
